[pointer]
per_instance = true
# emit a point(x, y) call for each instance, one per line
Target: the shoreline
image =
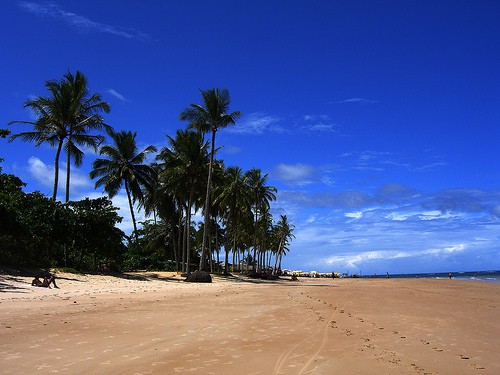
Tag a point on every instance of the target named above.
point(154, 323)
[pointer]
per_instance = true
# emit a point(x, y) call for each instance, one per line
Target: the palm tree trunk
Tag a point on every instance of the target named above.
point(174, 243)
point(184, 243)
point(234, 249)
point(179, 238)
point(278, 253)
point(255, 240)
point(131, 209)
point(279, 264)
point(68, 168)
point(56, 169)
point(206, 229)
point(188, 223)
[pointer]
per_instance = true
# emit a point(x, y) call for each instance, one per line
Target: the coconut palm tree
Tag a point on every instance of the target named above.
point(183, 172)
point(262, 196)
point(64, 118)
point(124, 166)
point(284, 233)
point(84, 116)
point(235, 196)
point(210, 117)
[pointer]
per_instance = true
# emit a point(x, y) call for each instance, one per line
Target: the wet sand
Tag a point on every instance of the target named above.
point(157, 324)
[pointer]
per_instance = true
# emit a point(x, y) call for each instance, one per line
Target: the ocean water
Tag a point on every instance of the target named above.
point(485, 276)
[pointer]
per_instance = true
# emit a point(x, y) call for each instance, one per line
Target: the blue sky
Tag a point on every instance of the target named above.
point(378, 122)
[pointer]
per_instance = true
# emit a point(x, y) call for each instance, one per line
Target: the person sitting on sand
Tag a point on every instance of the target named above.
point(47, 280)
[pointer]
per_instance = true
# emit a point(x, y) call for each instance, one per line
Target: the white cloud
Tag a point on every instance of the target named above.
point(298, 174)
point(318, 123)
point(117, 95)
point(430, 166)
point(256, 123)
point(394, 228)
point(44, 174)
point(80, 22)
point(322, 127)
point(355, 261)
point(422, 215)
point(354, 215)
point(355, 100)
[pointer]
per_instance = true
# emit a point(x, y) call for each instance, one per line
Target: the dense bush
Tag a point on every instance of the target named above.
point(36, 231)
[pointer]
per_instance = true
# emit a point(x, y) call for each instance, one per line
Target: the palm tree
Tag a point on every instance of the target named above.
point(262, 196)
point(211, 116)
point(83, 116)
point(235, 196)
point(284, 232)
point(124, 166)
point(183, 172)
point(64, 119)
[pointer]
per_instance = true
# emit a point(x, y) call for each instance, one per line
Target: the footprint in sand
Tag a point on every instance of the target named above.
point(478, 367)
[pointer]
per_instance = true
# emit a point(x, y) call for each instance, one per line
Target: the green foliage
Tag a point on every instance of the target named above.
point(37, 231)
point(154, 251)
point(95, 239)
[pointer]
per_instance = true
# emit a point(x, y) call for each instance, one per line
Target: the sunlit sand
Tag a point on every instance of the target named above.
point(158, 324)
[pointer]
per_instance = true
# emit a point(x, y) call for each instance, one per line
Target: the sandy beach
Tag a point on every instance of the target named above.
point(154, 323)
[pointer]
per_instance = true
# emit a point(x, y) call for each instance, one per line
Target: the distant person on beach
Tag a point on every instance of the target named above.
point(47, 280)
point(450, 275)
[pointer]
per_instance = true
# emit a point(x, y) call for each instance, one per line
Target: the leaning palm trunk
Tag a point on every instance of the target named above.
point(278, 256)
point(281, 257)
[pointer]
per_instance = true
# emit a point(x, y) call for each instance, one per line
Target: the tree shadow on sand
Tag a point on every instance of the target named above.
point(6, 284)
point(143, 277)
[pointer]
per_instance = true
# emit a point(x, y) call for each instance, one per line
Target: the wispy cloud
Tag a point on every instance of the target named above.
point(355, 261)
point(394, 226)
point(382, 160)
point(355, 100)
point(257, 123)
point(80, 22)
point(318, 123)
point(430, 166)
point(117, 95)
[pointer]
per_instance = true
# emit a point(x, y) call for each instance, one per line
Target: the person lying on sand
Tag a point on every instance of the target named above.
point(47, 280)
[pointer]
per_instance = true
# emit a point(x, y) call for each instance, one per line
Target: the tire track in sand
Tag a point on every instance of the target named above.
point(285, 356)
